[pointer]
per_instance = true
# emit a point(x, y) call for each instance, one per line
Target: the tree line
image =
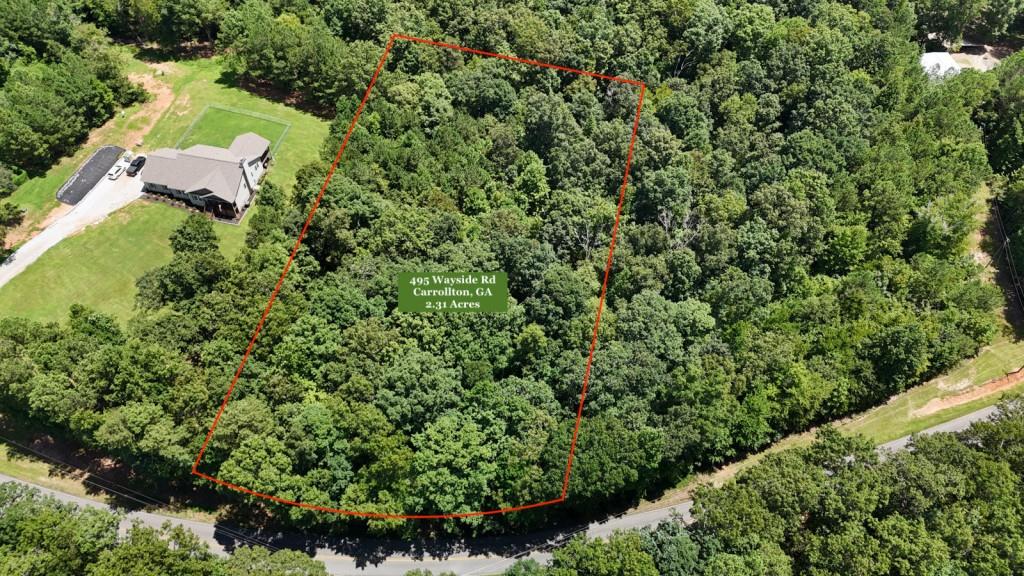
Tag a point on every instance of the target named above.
point(793, 249)
point(1001, 116)
point(950, 505)
point(324, 49)
point(40, 535)
point(59, 78)
point(183, 21)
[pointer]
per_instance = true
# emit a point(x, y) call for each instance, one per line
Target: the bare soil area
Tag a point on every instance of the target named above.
point(150, 112)
point(981, 56)
point(991, 387)
point(27, 231)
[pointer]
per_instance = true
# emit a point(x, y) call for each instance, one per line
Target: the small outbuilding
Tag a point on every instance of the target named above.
point(218, 180)
point(939, 64)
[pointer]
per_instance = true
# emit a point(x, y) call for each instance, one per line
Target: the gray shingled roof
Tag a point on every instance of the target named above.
point(249, 145)
point(203, 167)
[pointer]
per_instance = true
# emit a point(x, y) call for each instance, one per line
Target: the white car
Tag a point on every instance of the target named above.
point(116, 172)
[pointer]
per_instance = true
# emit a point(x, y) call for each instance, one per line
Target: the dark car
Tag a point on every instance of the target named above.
point(136, 165)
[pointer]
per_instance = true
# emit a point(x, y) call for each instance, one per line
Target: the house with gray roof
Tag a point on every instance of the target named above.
point(218, 180)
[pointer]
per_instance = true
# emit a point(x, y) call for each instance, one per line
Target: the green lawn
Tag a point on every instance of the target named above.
point(38, 195)
point(99, 266)
point(197, 85)
point(220, 126)
point(897, 418)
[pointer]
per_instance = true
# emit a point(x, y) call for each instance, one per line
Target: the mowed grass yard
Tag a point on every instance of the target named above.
point(220, 126)
point(99, 266)
point(197, 85)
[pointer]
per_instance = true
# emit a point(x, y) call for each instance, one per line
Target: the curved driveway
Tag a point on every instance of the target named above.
point(481, 556)
point(107, 197)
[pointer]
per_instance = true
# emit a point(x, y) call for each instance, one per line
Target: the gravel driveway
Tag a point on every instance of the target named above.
point(105, 198)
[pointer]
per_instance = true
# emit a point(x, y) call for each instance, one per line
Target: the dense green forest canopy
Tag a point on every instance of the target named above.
point(40, 536)
point(59, 78)
point(175, 21)
point(950, 506)
point(793, 248)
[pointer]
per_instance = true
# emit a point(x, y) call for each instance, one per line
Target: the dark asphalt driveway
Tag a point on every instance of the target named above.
point(92, 171)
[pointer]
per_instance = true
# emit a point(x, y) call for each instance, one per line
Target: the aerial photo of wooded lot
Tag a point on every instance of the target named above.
point(811, 335)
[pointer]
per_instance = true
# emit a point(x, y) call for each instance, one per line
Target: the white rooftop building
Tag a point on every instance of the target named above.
point(939, 64)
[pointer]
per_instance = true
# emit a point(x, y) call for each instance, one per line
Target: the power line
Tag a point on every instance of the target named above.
point(130, 494)
point(1011, 265)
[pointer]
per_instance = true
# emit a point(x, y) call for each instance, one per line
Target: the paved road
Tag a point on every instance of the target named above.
point(954, 425)
point(105, 198)
point(477, 557)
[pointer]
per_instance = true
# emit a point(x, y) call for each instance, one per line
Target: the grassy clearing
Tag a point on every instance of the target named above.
point(39, 473)
point(99, 266)
point(197, 84)
point(37, 196)
point(897, 418)
point(220, 126)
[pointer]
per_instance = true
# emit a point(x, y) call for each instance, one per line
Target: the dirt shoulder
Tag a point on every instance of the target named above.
point(992, 387)
point(24, 232)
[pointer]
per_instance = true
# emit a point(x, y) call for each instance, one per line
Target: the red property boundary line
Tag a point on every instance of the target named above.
point(305, 228)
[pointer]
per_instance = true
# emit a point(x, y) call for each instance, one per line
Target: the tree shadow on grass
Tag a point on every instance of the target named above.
point(268, 91)
point(995, 245)
point(32, 440)
point(240, 524)
point(155, 53)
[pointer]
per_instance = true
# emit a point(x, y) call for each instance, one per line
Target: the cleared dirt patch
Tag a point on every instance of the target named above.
point(151, 111)
point(26, 231)
point(992, 387)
